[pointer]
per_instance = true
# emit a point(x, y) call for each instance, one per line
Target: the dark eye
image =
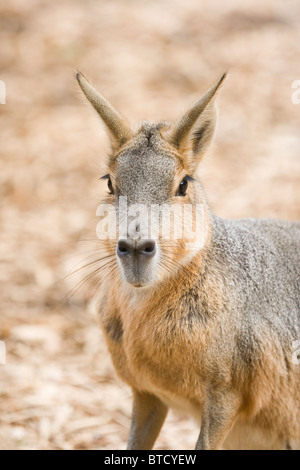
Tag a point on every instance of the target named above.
point(110, 186)
point(182, 187)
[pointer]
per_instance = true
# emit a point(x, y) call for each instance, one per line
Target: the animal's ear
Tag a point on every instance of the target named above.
point(118, 128)
point(192, 134)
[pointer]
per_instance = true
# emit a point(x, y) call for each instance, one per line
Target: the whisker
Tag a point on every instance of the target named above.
point(86, 279)
point(86, 266)
point(179, 266)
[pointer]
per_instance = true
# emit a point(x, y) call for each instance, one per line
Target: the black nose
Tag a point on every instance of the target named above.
point(144, 248)
point(124, 248)
point(147, 248)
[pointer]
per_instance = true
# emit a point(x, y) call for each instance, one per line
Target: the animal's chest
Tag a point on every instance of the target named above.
point(161, 358)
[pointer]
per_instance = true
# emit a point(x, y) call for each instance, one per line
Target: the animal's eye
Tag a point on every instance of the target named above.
point(183, 187)
point(110, 186)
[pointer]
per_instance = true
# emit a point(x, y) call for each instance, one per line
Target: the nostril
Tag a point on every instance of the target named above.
point(148, 248)
point(123, 248)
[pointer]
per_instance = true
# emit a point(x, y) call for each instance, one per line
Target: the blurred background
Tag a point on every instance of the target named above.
point(152, 59)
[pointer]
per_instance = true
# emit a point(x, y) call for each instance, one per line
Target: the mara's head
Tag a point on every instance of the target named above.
point(154, 219)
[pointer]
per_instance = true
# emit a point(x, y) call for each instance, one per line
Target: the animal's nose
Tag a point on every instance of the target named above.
point(143, 248)
point(147, 248)
point(124, 248)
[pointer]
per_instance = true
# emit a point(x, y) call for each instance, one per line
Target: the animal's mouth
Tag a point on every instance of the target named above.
point(139, 284)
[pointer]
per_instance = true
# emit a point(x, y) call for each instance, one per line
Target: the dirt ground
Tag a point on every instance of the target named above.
point(152, 59)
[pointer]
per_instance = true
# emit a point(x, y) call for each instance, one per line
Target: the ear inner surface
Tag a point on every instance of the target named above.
point(182, 128)
point(203, 133)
